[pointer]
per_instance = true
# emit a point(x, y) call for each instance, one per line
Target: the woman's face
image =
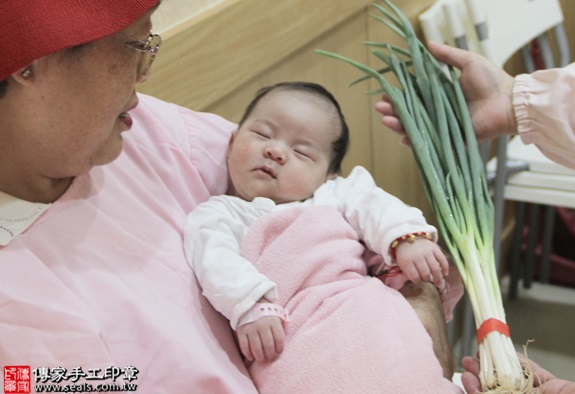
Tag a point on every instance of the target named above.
point(71, 112)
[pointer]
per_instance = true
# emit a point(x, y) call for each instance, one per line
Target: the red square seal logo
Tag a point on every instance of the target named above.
point(17, 379)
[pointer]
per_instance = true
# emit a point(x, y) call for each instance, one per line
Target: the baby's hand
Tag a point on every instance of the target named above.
point(263, 339)
point(422, 260)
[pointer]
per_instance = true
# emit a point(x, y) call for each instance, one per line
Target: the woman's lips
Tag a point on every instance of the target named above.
point(127, 119)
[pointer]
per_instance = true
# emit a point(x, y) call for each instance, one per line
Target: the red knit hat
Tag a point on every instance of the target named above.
point(35, 28)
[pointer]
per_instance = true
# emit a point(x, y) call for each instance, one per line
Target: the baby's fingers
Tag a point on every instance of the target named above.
point(257, 347)
point(245, 346)
point(413, 273)
point(443, 262)
point(279, 336)
point(428, 270)
point(268, 345)
point(436, 272)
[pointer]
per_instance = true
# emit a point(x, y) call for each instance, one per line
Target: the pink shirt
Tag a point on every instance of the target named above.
point(544, 104)
point(100, 280)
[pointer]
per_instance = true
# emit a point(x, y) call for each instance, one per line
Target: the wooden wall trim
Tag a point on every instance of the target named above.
point(213, 53)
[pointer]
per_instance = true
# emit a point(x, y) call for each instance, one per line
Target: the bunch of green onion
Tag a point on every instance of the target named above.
point(433, 111)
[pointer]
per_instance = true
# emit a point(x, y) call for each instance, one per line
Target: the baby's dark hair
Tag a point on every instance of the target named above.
point(340, 145)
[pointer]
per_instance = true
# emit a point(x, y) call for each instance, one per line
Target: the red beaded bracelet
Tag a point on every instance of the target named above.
point(408, 237)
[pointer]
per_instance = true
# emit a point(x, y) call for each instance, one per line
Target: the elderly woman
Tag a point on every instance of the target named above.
point(95, 186)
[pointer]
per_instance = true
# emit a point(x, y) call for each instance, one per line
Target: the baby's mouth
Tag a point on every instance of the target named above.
point(268, 171)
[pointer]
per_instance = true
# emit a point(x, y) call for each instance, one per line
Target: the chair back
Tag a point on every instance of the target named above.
point(495, 28)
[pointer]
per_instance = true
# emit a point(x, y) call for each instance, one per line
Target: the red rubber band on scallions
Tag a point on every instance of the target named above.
point(491, 325)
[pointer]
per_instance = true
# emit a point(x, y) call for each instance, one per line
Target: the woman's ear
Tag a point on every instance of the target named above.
point(24, 75)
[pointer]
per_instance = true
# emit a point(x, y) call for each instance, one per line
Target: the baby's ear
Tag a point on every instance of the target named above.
point(232, 136)
point(230, 143)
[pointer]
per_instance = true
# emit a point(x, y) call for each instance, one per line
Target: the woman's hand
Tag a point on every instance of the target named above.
point(487, 88)
point(542, 379)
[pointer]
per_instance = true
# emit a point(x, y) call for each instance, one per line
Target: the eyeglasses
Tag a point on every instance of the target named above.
point(149, 49)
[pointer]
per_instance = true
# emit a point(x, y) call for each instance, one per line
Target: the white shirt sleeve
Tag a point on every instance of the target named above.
point(212, 239)
point(378, 217)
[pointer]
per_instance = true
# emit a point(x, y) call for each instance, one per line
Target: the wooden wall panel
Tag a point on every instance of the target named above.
point(306, 65)
point(394, 167)
point(211, 55)
point(217, 60)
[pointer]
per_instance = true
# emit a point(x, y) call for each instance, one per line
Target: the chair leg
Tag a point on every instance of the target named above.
point(501, 175)
point(515, 271)
point(468, 336)
point(531, 245)
point(547, 239)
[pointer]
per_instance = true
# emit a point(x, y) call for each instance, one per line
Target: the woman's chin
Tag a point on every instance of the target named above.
point(111, 153)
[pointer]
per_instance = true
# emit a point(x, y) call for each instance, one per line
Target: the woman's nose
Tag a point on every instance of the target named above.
point(275, 153)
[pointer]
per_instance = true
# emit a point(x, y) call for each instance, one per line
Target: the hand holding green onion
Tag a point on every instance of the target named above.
point(488, 91)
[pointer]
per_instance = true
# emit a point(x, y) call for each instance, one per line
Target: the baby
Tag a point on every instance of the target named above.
point(292, 237)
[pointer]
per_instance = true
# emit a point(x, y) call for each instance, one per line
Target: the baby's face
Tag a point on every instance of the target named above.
point(283, 149)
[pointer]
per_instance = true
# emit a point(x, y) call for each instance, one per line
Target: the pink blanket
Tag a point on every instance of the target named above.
point(347, 333)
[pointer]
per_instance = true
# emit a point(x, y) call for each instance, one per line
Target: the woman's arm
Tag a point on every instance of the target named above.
point(543, 104)
point(536, 106)
point(424, 299)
